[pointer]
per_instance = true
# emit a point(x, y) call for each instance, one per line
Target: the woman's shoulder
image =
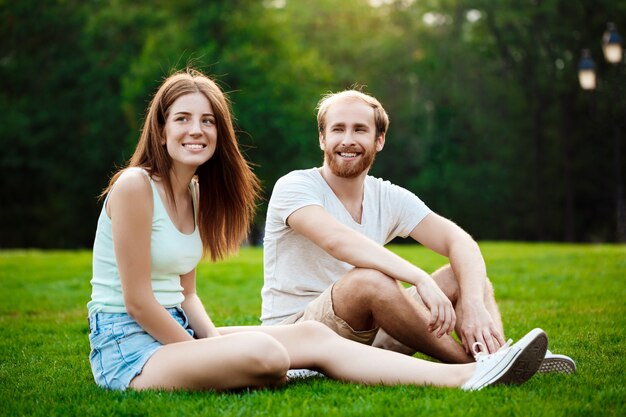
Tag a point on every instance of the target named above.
point(131, 192)
point(133, 180)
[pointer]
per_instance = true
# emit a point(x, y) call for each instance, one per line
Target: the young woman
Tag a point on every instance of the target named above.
point(188, 192)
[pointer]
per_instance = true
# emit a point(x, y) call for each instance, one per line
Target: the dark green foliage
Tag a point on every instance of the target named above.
point(489, 125)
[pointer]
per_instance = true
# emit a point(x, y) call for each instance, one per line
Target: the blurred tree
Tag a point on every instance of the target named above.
point(537, 46)
point(62, 65)
point(41, 123)
point(488, 125)
point(273, 82)
point(490, 101)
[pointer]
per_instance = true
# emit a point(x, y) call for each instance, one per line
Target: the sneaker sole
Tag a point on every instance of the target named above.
point(557, 365)
point(303, 373)
point(527, 361)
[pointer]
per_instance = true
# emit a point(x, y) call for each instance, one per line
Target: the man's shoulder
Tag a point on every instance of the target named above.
point(381, 183)
point(298, 173)
point(298, 176)
point(293, 191)
point(379, 188)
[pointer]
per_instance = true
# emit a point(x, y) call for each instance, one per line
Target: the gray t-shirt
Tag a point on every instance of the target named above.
point(296, 270)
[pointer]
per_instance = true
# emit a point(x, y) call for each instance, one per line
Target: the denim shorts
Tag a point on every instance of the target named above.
point(120, 347)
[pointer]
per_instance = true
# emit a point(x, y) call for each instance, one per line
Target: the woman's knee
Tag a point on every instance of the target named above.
point(264, 357)
point(312, 330)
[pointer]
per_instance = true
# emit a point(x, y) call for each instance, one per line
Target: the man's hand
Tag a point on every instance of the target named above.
point(478, 326)
point(442, 316)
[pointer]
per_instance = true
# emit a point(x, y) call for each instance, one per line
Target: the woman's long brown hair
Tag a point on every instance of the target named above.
point(228, 187)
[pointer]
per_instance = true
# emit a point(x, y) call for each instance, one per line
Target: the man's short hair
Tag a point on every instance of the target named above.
point(381, 119)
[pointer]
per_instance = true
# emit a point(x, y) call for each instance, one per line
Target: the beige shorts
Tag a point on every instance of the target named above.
point(321, 309)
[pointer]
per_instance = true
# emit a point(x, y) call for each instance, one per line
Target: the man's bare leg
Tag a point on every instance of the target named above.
point(366, 298)
point(445, 278)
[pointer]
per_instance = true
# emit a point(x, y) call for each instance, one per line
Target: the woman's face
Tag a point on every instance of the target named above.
point(190, 131)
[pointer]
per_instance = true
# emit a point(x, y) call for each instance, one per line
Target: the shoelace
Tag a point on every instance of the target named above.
point(478, 350)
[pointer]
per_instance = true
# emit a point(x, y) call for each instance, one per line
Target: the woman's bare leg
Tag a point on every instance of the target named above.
point(314, 346)
point(246, 359)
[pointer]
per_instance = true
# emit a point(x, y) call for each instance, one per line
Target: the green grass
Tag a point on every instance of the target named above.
point(574, 292)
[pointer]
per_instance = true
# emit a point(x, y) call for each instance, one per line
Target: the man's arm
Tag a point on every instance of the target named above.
point(447, 239)
point(351, 247)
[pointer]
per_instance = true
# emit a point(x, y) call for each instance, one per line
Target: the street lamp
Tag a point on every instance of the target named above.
point(612, 49)
point(612, 44)
point(586, 71)
point(613, 54)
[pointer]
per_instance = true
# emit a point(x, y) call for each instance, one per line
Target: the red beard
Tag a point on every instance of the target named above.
point(350, 169)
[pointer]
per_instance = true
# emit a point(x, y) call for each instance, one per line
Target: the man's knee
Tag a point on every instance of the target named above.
point(368, 282)
point(447, 282)
point(361, 292)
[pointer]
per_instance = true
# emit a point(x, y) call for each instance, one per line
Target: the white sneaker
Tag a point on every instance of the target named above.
point(552, 362)
point(557, 363)
point(302, 373)
point(510, 364)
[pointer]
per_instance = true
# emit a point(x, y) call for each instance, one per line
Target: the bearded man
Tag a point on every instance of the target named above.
point(325, 259)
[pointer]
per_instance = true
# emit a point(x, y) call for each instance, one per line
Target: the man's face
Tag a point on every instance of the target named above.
point(349, 140)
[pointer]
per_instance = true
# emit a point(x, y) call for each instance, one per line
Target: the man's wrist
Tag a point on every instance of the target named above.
point(471, 300)
point(421, 278)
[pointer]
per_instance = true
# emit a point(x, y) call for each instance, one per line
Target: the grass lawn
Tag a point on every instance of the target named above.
point(576, 293)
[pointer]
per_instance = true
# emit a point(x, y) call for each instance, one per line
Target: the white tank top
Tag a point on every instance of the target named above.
point(172, 254)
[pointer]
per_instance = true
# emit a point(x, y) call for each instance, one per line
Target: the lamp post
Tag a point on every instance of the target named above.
point(586, 71)
point(612, 50)
point(612, 45)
